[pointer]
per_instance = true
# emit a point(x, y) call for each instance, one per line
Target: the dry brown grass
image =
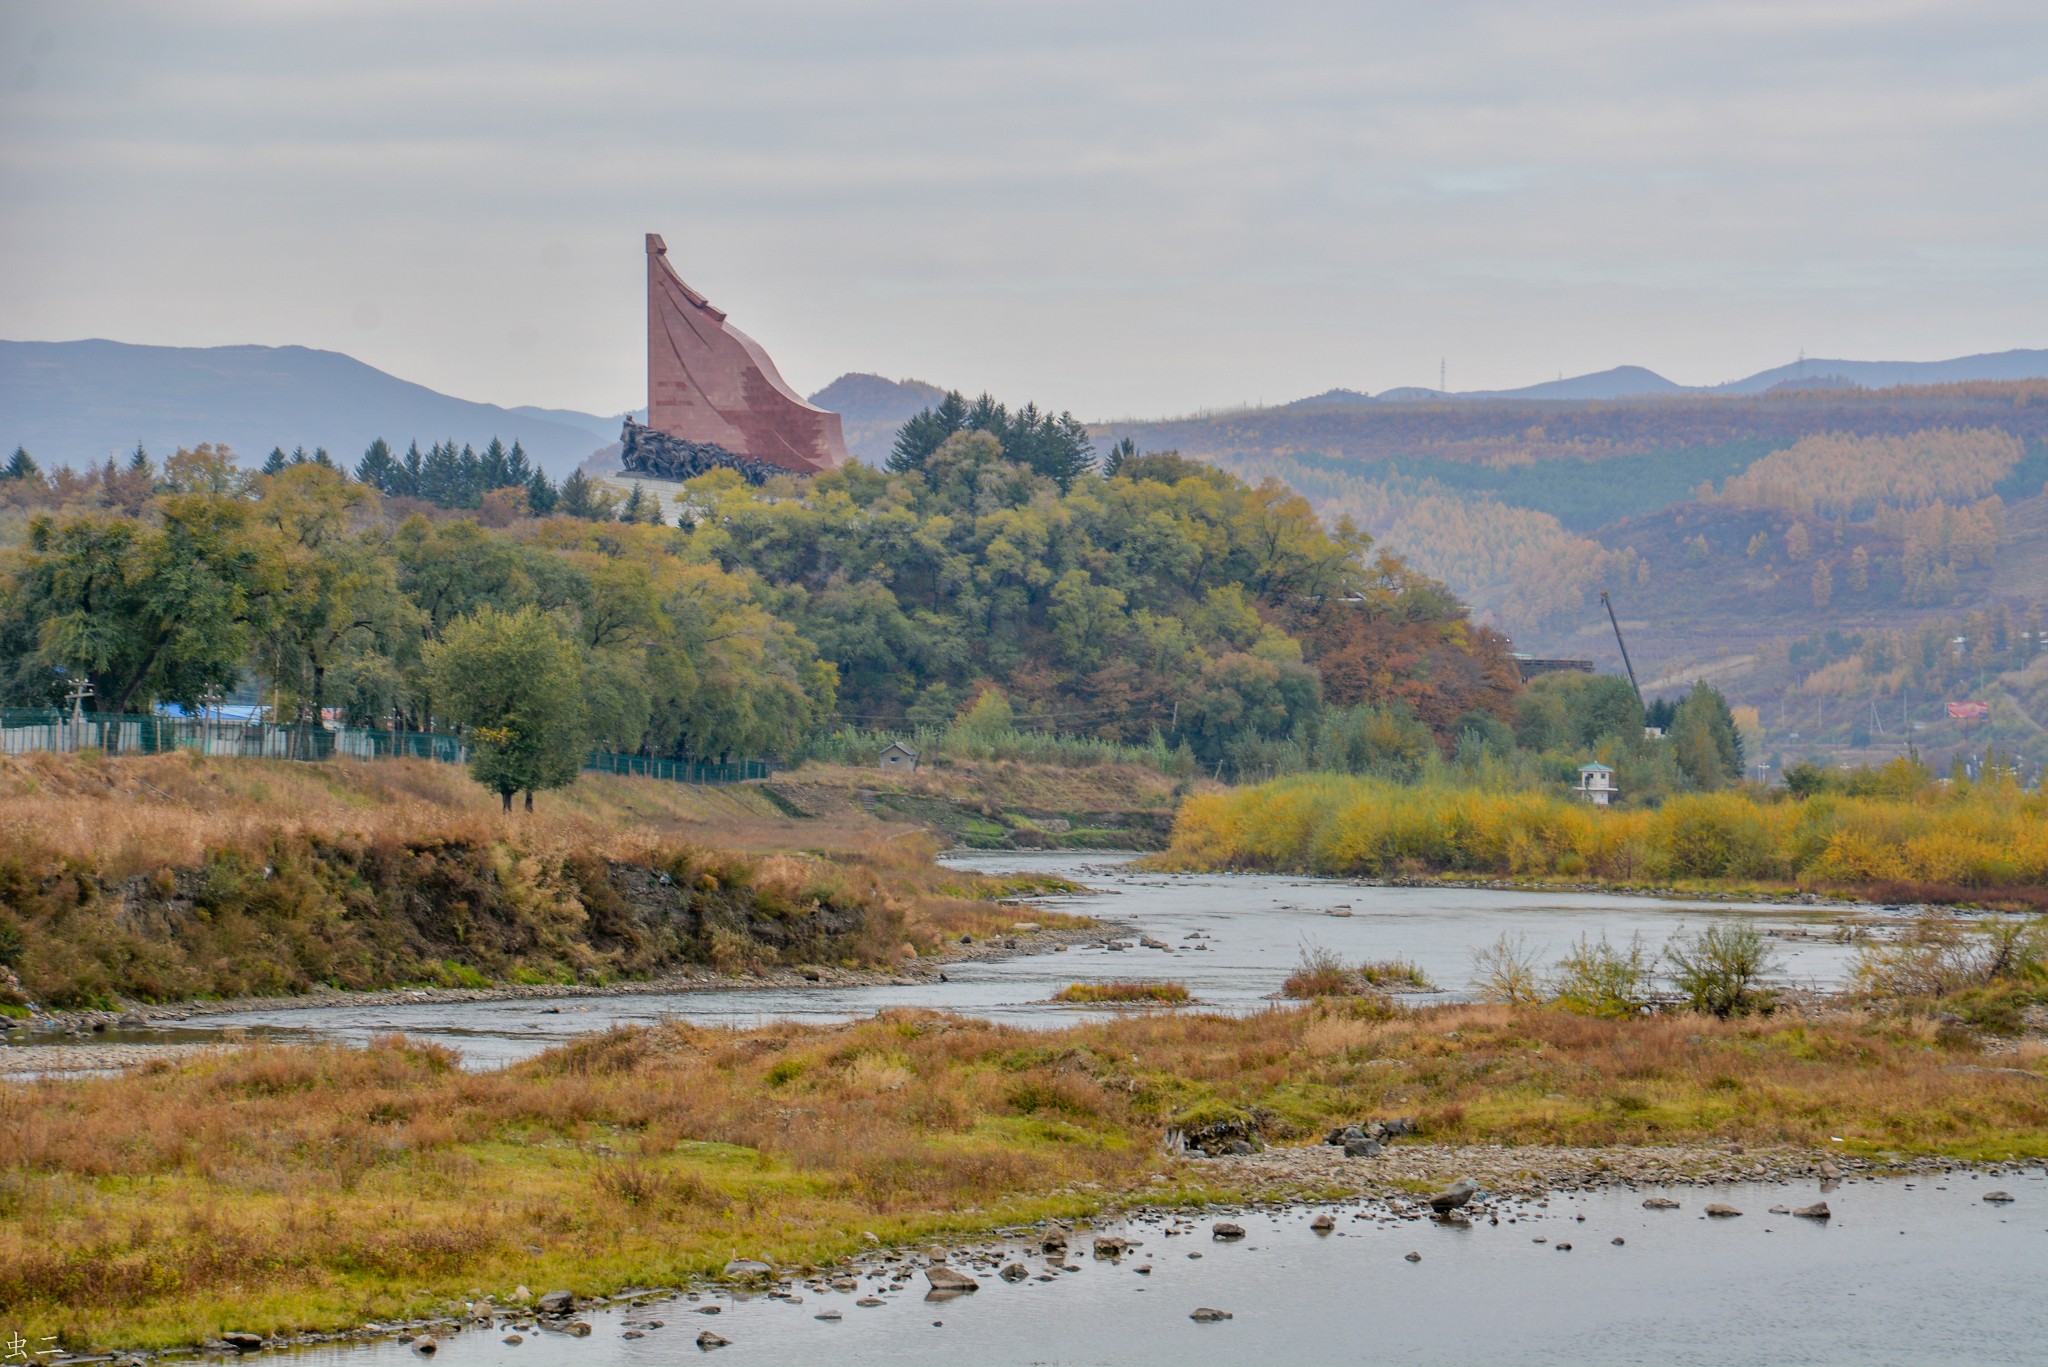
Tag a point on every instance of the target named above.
point(279, 1188)
point(175, 875)
point(133, 815)
point(1126, 991)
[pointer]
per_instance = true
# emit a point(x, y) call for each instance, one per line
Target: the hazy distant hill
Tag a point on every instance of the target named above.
point(1634, 381)
point(872, 409)
point(71, 403)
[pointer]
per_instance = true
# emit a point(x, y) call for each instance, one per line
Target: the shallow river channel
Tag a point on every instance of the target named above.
point(1252, 929)
point(1916, 1273)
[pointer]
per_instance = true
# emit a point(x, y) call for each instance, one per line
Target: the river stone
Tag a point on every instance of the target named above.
point(870, 1301)
point(1015, 1272)
point(944, 1278)
point(748, 1267)
point(1817, 1211)
point(708, 1340)
point(826, 1315)
point(2000, 1197)
point(1452, 1197)
point(1722, 1212)
point(425, 1344)
point(1223, 1229)
point(1362, 1148)
point(1323, 1223)
point(1209, 1315)
point(243, 1342)
point(556, 1303)
point(1779, 1210)
point(1109, 1246)
point(1053, 1240)
point(1660, 1203)
point(1412, 1257)
point(514, 1340)
point(577, 1329)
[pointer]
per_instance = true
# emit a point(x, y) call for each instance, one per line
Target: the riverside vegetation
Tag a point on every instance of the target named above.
point(267, 1188)
point(173, 877)
point(1894, 834)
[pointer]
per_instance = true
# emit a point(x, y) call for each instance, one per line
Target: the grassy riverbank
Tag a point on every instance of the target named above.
point(1970, 843)
point(280, 1188)
point(178, 877)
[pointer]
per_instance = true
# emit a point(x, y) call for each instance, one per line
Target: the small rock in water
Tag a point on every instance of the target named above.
point(870, 1301)
point(1617, 1241)
point(632, 1334)
point(578, 1329)
point(1817, 1211)
point(708, 1340)
point(1109, 1246)
point(425, 1344)
point(708, 1309)
point(944, 1278)
point(1452, 1197)
point(1223, 1229)
point(826, 1315)
point(1779, 1210)
point(1323, 1223)
point(1660, 1203)
point(1015, 1272)
point(1721, 1212)
point(514, 1340)
point(556, 1303)
point(243, 1342)
point(1413, 1257)
point(1209, 1315)
point(2002, 1198)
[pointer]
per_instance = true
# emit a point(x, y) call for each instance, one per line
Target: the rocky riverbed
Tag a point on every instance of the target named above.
point(1643, 1206)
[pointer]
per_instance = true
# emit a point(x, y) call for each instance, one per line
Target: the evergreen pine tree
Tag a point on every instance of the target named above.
point(579, 498)
point(470, 478)
point(377, 469)
point(412, 475)
point(441, 475)
point(635, 509)
point(518, 469)
point(927, 432)
point(299, 456)
point(321, 458)
point(1118, 454)
point(140, 463)
point(494, 469)
point(275, 461)
point(540, 494)
point(21, 466)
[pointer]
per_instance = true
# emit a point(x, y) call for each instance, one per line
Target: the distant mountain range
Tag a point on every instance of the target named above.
point(74, 403)
point(71, 403)
point(1635, 382)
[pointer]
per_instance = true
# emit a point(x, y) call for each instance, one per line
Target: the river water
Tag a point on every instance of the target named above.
point(1905, 1273)
point(1253, 929)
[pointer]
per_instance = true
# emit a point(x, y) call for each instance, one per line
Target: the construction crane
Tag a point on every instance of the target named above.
point(1608, 603)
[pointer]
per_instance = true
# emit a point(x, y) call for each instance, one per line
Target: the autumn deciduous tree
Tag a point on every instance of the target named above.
point(516, 682)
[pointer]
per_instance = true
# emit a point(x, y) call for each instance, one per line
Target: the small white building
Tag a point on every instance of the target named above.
point(1596, 784)
point(897, 755)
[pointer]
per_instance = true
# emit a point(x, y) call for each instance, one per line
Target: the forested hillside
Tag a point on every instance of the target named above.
point(1172, 601)
point(1726, 529)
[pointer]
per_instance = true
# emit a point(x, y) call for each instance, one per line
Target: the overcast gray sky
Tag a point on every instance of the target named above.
point(1120, 208)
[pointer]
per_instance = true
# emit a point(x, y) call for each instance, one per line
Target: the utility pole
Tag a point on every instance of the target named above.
point(1608, 603)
